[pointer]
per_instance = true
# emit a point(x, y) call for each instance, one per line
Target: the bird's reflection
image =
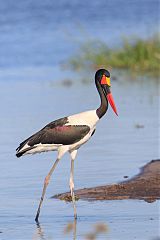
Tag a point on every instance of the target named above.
point(40, 234)
point(75, 229)
point(71, 228)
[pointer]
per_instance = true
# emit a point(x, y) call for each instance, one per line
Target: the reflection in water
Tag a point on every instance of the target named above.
point(71, 227)
point(99, 228)
point(39, 234)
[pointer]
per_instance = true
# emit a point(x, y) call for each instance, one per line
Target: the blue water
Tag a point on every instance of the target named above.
point(36, 36)
point(117, 148)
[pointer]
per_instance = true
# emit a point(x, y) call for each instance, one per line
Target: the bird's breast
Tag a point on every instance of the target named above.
point(88, 118)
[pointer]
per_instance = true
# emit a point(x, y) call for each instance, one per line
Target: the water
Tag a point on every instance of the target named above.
point(118, 148)
point(35, 37)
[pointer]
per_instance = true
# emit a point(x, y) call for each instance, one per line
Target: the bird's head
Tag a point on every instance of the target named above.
point(102, 78)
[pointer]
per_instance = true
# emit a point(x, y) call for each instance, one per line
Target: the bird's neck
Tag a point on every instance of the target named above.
point(104, 103)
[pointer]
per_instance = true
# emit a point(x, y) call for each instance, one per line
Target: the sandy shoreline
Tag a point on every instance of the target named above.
point(144, 186)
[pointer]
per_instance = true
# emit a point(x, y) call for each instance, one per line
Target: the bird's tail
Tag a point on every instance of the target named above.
point(21, 152)
point(23, 148)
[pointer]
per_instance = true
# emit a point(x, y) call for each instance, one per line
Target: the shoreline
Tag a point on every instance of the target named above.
point(144, 186)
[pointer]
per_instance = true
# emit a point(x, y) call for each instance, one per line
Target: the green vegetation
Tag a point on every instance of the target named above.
point(142, 56)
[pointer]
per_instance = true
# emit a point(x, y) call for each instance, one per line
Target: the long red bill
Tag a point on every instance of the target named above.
point(111, 101)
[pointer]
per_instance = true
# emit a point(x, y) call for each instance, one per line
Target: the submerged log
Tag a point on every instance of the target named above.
point(144, 186)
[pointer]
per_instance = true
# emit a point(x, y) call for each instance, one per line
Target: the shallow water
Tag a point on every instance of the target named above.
point(35, 36)
point(117, 148)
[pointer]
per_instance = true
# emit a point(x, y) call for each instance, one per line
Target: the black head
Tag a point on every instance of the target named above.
point(102, 79)
point(100, 73)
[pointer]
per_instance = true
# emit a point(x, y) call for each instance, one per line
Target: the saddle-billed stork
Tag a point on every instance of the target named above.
point(69, 133)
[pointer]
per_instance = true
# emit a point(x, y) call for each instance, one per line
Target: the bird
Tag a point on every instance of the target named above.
point(69, 133)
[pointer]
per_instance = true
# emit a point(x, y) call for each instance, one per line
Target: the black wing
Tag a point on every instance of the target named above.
point(58, 122)
point(57, 132)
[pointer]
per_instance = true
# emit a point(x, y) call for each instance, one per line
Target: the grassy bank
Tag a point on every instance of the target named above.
point(142, 56)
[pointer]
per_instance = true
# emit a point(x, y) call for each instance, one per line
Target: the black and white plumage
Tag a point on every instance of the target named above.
point(69, 133)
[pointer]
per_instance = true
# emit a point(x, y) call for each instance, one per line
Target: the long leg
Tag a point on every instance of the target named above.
point(46, 182)
point(61, 151)
point(71, 182)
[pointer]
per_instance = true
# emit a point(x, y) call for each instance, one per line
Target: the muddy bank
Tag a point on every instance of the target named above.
point(144, 186)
